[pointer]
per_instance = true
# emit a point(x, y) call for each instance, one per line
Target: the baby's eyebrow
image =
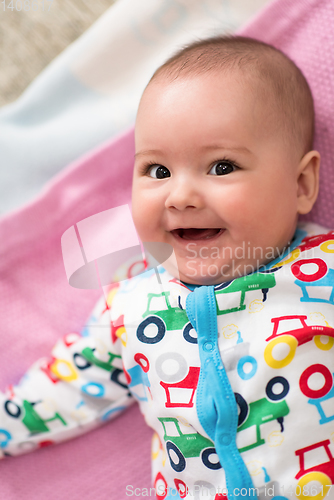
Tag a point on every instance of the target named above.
point(147, 152)
point(242, 149)
point(230, 148)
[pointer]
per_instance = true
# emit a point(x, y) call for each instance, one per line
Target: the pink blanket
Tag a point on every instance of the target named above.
point(38, 306)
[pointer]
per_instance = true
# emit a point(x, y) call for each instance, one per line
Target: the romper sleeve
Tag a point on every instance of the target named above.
point(80, 386)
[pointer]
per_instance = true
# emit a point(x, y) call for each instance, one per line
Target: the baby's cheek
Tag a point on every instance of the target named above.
point(248, 207)
point(146, 225)
point(138, 216)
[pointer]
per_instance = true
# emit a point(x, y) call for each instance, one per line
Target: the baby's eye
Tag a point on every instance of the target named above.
point(159, 172)
point(222, 167)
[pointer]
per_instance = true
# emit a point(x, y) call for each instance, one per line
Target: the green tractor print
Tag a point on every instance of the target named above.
point(273, 407)
point(170, 318)
point(186, 445)
point(29, 416)
point(256, 281)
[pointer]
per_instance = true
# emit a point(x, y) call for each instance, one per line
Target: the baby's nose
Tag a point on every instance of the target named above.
point(184, 195)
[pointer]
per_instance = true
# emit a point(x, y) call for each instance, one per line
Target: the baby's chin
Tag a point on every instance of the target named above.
point(195, 276)
point(211, 272)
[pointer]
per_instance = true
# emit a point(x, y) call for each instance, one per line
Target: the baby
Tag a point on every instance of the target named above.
point(224, 157)
point(224, 373)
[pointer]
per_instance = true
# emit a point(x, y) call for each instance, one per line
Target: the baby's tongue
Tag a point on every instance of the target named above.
point(199, 234)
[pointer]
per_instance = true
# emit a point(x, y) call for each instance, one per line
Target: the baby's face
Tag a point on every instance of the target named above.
point(213, 177)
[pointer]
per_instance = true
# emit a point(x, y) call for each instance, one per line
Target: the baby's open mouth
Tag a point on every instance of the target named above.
point(197, 233)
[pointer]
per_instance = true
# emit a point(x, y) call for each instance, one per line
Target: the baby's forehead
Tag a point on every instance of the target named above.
point(269, 77)
point(196, 97)
point(232, 85)
point(251, 79)
point(206, 83)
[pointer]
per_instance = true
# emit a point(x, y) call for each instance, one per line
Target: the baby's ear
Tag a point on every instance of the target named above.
point(308, 181)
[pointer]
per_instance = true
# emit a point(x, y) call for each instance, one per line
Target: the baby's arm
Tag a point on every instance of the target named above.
point(79, 387)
